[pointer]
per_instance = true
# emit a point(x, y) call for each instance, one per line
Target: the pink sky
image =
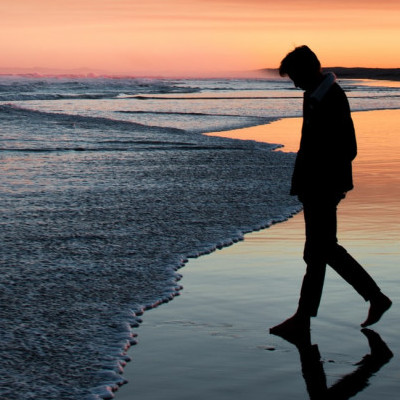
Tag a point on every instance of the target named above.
point(195, 37)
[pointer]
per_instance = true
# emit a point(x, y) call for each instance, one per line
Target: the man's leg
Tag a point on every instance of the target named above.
point(353, 273)
point(311, 289)
point(320, 224)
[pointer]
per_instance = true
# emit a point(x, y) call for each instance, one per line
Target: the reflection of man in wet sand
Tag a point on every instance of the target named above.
point(322, 176)
point(349, 385)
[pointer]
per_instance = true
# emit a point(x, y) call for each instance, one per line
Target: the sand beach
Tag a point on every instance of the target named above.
point(213, 340)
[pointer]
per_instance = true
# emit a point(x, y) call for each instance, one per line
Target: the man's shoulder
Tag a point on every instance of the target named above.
point(336, 89)
point(336, 93)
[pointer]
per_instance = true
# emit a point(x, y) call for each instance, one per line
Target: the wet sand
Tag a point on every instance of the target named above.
point(213, 340)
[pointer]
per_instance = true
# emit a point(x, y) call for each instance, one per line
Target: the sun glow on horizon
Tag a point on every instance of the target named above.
point(204, 37)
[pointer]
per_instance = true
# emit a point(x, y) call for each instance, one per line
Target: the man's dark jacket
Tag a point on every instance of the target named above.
point(327, 147)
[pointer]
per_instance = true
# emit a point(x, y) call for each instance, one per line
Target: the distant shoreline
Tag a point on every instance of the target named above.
point(392, 74)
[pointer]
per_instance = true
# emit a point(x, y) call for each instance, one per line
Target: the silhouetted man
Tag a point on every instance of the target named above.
point(322, 175)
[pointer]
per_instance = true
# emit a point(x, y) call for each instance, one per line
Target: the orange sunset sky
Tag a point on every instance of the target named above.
point(194, 37)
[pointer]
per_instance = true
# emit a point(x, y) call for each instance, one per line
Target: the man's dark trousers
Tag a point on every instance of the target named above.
point(322, 248)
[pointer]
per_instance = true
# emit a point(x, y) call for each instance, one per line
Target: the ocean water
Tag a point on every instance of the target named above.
point(107, 188)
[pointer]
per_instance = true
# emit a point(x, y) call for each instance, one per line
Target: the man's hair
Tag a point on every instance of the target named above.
point(301, 59)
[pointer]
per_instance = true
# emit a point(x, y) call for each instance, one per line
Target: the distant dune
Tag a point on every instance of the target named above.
point(392, 74)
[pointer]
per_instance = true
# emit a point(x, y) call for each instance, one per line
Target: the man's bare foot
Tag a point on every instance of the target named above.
point(293, 326)
point(295, 330)
point(378, 306)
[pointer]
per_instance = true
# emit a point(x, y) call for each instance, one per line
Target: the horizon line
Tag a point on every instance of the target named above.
point(38, 72)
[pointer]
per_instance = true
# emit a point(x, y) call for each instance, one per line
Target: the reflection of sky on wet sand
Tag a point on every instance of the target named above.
point(370, 216)
point(285, 131)
point(376, 168)
point(368, 219)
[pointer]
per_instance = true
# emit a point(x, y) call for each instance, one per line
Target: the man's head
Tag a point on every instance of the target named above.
point(302, 66)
